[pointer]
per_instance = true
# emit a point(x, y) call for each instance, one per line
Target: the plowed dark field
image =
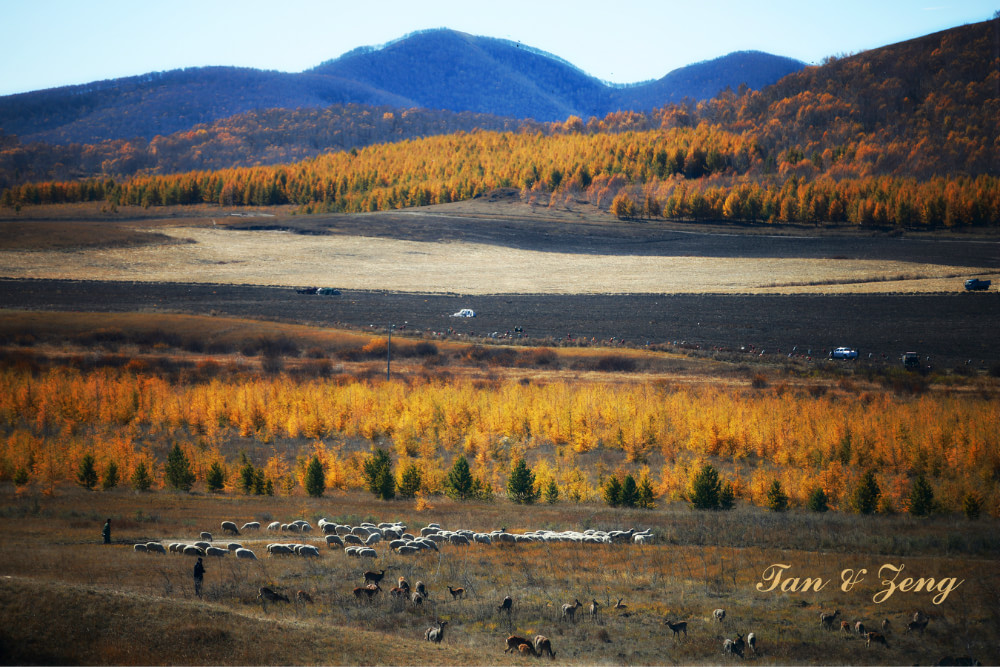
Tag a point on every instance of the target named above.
point(950, 328)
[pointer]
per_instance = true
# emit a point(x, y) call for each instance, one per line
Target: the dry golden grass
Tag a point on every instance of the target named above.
point(284, 259)
point(68, 599)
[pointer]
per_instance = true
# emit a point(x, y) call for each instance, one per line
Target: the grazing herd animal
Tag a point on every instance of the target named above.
point(266, 594)
point(395, 537)
point(680, 627)
point(569, 610)
point(826, 619)
point(734, 646)
point(435, 634)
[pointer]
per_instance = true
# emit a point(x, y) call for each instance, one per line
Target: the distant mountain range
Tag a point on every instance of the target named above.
point(437, 69)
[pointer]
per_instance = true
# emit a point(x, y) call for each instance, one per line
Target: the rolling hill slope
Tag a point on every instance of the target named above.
point(439, 69)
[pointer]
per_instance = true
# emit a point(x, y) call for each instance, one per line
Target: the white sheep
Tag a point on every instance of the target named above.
point(233, 546)
point(216, 551)
point(192, 550)
point(202, 545)
point(206, 536)
point(250, 525)
point(334, 540)
point(367, 552)
point(246, 553)
point(155, 547)
point(274, 525)
point(230, 527)
point(139, 548)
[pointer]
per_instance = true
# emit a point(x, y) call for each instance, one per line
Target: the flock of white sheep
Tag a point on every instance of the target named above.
point(360, 541)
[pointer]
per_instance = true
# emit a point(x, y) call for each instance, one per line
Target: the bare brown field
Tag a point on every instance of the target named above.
point(69, 599)
point(281, 259)
point(486, 246)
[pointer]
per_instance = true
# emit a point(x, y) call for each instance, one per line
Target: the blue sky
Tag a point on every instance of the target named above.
point(48, 43)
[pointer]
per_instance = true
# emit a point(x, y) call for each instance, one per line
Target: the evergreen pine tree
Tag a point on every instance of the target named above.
point(386, 484)
point(21, 476)
point(777, 499)
point(552, 492)
point(259, 482)
point(612, 492)
point(647, 499)
point(864, 498)
point(971, 506)
point(921, 497)
point(459, 484)
point(248, 476)
point(705, 489)
point(630, 492)
point(521, 484)
point(141, 479)
point(269, 488)
point(178, 470)
point(409, 481)
point(110, 478)
point(315, 478)
point(377, 472)
point(818, 502)
point(216, 478)
point(727, 497)
point(87, 475)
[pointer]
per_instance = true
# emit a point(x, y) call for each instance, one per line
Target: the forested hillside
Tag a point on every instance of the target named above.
point(904, 135)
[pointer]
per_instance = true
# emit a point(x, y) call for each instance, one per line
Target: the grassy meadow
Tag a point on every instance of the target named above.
point(67, 598)
point(130, 386)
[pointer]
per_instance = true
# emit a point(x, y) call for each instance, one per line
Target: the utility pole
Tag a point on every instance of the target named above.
point(388, 353)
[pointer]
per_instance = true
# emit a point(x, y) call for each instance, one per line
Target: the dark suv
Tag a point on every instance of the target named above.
point(975, 284)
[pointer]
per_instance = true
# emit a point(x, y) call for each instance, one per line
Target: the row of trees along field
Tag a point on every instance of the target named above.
point(575, 435)
point(689, 173)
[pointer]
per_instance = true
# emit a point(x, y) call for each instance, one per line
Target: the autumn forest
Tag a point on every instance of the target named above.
point(901, 136)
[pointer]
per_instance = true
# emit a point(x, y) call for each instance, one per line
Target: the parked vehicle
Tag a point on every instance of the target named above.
point(844, 353)
point(976, 285)
point(911, 360)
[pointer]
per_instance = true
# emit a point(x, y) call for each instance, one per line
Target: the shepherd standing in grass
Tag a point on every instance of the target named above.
point(199, 577)
point(106, 532)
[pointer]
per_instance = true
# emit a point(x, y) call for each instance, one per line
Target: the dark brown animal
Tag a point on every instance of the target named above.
point(876, 637)
point(303, 596)
point(265, 595)
point(917, 626)
point(506, 604)
point(370, 590)
point(678, 628)
point(374, 577)
point(826, 619)
point(513, 643)
point(456, 593)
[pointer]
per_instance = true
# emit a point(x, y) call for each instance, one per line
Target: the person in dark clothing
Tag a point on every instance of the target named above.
point(199, 576)
point(107, 532)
